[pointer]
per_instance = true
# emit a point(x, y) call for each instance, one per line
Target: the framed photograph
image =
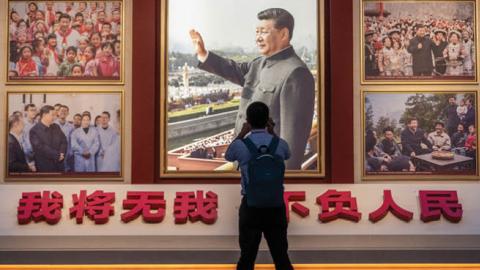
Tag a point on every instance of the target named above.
point(205, 93)
point(64, 135)
point(65, 42)
point(419, 135)
point(419, 42)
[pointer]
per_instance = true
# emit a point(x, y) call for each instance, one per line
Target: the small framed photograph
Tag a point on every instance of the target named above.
point(412, 42)
point(419, 135)
point(64, 135)
point(204, 98)
point(65, 42)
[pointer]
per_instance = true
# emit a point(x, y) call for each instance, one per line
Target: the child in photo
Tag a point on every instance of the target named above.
point(108, 65)
point(26, 66)
point(40, 56)
point(91, 63)
point(70, 60)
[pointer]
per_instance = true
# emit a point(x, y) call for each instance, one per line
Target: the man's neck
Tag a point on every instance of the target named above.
point(283, 48)
point(62, 121)
point(45, 123)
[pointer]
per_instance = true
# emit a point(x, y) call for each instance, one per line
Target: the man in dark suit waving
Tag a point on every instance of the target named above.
point(279, 78)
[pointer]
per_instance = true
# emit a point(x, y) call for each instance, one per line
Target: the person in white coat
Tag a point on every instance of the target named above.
point(85, 145)
point(107, 135)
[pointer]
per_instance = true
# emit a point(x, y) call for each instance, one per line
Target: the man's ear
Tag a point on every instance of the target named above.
point(285, 34)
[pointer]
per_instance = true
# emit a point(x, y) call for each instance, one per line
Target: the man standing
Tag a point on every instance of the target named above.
point(412, 138)
point(439, 139)
point(470, 116)
point(370, 58)
point(438, 46)
point(67, 129)
point(29, 122)
point(48, 142)
point(421, 49)
point(17, 162)
point(450, 113)
point(253, 221)
point(107, 138)
point(279, 78)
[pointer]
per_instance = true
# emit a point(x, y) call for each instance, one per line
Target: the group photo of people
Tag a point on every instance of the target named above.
point(420, 133)
point(53, 40)
point(64, 134)
point(428, 40)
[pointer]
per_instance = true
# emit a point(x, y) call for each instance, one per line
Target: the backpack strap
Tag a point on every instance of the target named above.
point(251, 146)
point(272, 147)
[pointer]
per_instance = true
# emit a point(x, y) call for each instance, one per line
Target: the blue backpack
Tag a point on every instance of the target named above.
point(266, 172)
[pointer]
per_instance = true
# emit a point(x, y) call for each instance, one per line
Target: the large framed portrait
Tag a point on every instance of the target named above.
point(64, 135)
point(219, 56)
point(65, 42)
point(412, 42)
point(419, 135)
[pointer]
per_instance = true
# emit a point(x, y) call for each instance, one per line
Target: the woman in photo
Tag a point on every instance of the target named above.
point(85, 145)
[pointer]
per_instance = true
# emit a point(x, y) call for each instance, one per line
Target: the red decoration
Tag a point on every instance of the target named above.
point(345, 206)
point(291, 196)
point(97, 206)
point(434, 203)
point(390, 205)
point(188, 206)
point(145, 204)
point(40, 207)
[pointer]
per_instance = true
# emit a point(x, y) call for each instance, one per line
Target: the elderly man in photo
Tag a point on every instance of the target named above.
point(278, 78)
point(439, 138)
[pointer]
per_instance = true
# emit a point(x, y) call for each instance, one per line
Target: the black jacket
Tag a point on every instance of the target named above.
point(451, 116)
point(47, 144)
point(411, 141)
point(422, 58)
point(16, 156)
point(469, 117)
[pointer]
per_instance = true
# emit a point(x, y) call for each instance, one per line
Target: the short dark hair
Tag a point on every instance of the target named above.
point(107, 113)
point(65, 16)
point(28, 106)
point(72, 48)
point(439, 123)
point(77, 114)
point(257, 114)
point(409, 120)
point(385, 130)
point(52, 35)
point(13, 119)
point(57, 105)
point(281, 17)
point(46, 109)
point(65, 106)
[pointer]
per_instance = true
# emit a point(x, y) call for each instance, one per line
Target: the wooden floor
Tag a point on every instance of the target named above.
point(258, 267)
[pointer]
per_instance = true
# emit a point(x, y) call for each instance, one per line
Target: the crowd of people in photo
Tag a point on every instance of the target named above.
point(206, 149)
point(457, 135)
point(65, 39)
point(413, 46)
point(214, 96)
point(44, 141)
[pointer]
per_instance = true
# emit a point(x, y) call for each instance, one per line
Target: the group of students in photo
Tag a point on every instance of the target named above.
point(66, 39)
point(457, 136)
point(46, 142)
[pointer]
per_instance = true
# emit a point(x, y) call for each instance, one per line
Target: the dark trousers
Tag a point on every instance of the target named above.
point(272, 222)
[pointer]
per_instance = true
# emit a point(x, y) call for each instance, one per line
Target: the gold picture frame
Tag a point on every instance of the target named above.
point(319, 160)
point(407, 175)
point(416, 81)
point(65, 80)
point(68, 177)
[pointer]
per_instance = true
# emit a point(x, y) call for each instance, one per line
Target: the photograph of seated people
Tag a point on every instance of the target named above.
point(406, 133)
point(47, 136)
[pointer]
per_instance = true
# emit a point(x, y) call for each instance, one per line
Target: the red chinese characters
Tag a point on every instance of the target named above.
point(434, 203)
point(150, 205)
point(295, 196)
point(343, 204)
point(194, 206)
point(389, 205)
point(97, 206)
point(40, 206)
